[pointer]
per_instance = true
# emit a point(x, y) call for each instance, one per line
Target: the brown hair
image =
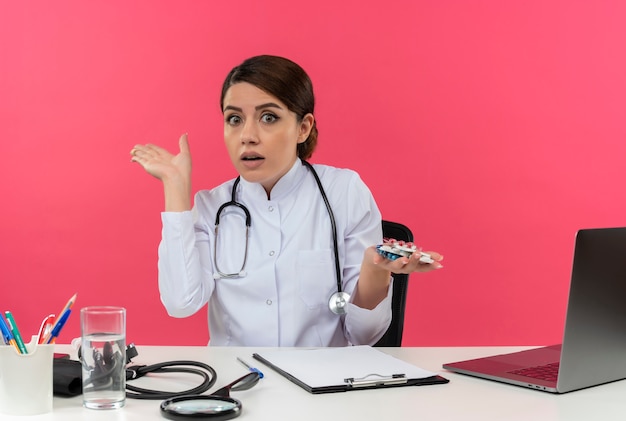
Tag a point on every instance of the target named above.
point(283, 79)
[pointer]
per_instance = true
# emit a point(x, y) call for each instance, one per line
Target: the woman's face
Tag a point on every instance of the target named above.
point(261, 134)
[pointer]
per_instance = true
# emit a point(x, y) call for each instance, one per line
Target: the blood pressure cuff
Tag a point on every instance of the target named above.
point(66, 377)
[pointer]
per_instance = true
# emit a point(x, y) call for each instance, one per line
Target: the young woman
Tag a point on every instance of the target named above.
point(284, 254)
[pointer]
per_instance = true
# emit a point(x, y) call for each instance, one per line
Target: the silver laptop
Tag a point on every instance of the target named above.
point(593, 351)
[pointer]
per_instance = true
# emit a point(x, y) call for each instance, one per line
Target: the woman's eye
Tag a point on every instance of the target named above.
point(268, 118)
point(233, 120)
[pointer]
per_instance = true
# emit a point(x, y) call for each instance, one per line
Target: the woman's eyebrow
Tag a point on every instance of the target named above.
point(268, 105)
point(258, 107)
point(230, 107)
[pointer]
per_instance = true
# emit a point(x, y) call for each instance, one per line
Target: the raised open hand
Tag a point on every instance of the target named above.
point(173, 170)
point(161, 164)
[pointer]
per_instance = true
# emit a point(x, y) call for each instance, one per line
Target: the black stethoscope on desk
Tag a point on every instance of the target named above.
point(339, 300)
point(181, 405)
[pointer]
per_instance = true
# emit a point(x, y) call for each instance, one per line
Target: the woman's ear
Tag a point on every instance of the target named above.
point(306, 125)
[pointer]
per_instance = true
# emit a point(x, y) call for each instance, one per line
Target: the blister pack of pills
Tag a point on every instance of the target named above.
point(392, 249)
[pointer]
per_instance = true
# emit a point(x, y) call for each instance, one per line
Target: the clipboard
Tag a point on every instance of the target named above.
point(343, 369)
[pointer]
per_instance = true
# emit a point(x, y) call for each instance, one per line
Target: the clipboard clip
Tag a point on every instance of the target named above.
point(376, 380)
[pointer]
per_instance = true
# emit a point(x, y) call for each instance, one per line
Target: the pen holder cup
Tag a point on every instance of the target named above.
point(26, 379)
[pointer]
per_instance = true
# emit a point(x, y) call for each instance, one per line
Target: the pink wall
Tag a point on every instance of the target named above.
point(493, 129)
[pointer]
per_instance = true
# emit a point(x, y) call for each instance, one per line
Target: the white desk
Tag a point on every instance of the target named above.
point(276, 398)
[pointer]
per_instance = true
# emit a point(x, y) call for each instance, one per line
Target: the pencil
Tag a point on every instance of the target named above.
point(57, 319)
point(69, 305)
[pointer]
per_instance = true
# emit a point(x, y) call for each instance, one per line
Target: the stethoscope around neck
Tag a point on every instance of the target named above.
point(337, 302)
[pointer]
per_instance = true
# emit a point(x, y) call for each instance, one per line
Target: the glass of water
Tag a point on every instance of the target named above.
point(103, 356)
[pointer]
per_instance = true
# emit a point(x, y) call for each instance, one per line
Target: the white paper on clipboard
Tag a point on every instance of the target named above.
point(330, 367)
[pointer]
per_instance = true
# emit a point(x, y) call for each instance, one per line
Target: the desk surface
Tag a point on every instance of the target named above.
point(276, 398)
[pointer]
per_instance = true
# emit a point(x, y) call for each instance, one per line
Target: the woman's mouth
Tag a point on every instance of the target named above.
point(252, 161)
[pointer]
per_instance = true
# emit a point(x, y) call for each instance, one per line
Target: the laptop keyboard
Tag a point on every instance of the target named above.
point(547, 372)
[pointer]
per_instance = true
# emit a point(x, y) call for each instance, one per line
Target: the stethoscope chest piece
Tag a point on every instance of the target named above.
point(200, 407)
point(338, 302)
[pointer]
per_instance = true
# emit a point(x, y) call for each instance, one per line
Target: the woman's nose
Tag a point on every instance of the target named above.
point(249, 133)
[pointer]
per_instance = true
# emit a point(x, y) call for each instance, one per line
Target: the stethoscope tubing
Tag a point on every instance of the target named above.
point(333, 225)
point(233, 202)
point(340, 297)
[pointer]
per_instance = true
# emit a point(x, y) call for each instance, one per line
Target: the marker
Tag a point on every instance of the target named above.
point(58, 326)
point(254, 370)
point(46, 328)
point(7, 335)
point(16, 333)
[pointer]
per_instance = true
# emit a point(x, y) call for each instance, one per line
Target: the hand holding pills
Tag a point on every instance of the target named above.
point(392, 249)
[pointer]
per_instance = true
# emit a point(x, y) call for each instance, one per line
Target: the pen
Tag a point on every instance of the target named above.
point(7, 335)
point(16, 333)
point(254, 370)
point(58, 326)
